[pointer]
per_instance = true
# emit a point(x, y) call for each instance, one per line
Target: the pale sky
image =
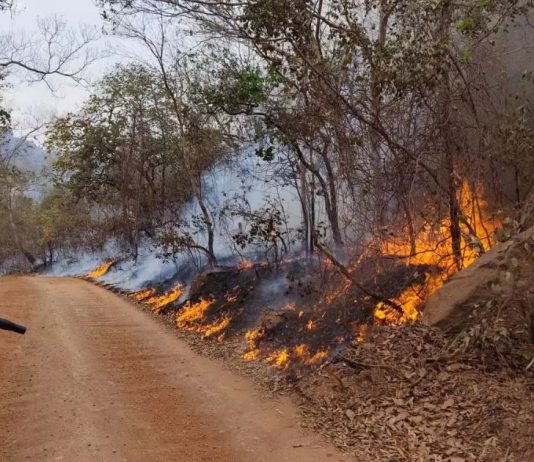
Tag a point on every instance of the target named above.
point(35, 101)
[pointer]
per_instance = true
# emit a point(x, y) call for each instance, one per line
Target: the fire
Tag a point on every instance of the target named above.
point(217, 327)
point(361, 331)
point(301, 354)
point(100, 270)
point(433, 248)
point(159, 302)
point(143, 294)
point(252, 337)
point(191, 313)
point(245, 265)
point(279, 358)
point(251, 355)
point(311, 325)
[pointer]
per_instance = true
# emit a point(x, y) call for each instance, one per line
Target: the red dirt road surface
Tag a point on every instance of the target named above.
point(95, 379)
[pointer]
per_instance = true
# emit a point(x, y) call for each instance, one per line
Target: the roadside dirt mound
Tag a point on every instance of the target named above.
point(403, 395)
point(487, 310)
point(507, 268)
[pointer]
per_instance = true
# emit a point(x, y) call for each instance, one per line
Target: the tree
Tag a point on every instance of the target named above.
point(383, 103)
point(15, 214)
point(55, 52)
point(131, 153)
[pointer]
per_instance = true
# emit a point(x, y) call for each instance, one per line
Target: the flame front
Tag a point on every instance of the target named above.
point(143, 294)
point(159, 302)
point(246, 265)
point(433, 248)
point(192, 312)
point(302, 352)
point(281, 358)
point(218, 327)
point(193, 315)
point(299, 354)
point(252, 337)
point(100, 270)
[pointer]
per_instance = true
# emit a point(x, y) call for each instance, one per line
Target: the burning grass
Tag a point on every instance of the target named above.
point(159, 302)
point(143, 295)
point(286, 341)
point(384, 391)
point(313, 325)
point(191, 313)
point(100, 270)
point(194, 317)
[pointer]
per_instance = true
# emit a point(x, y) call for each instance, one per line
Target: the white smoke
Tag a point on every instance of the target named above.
point(246, 175)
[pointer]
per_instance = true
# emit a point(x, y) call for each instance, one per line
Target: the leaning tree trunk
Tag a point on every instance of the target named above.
point(212, 260)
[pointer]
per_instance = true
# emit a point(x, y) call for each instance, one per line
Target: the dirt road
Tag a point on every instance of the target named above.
point(96, 379)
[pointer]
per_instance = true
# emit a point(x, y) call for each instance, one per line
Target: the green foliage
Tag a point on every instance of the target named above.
point(465, 24)
point(237, 90)
point(266, 153)
point(138, 148)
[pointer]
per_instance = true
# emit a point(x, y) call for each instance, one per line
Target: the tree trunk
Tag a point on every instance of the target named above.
point(212, 260)
point(448, 144)
point(331, 204)
point(16, 234)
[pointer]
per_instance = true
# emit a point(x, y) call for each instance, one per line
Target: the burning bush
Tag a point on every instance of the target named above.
point(433, 248)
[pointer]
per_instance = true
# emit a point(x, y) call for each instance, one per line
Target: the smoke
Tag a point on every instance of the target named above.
point(249, 178)
point(148, 270)
point(245, 176)
point(77, 265)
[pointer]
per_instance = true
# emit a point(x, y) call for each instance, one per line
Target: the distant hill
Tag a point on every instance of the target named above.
point(24, 154)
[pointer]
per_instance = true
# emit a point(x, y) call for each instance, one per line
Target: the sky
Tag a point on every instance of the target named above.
point(31, 103)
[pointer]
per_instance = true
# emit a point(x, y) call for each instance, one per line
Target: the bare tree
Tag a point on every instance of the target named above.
point(56, 51)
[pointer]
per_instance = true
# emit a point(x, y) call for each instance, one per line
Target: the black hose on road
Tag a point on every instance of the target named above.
point(8, 325)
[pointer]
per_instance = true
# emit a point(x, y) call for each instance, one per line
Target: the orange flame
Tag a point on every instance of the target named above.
point(100, 270)
point(433, 248)
point(279, 358)
point(252, 337)
point(192, 313)
point(143, 294)
point(159, 302)
point(301, 354)
point(217, 327)
point(245, 265)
